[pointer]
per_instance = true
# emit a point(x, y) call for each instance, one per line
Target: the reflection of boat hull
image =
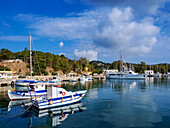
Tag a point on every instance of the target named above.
point(19, 103)
point(60, 101)
point(55, 116)
point(59, 110)
point(21, 95)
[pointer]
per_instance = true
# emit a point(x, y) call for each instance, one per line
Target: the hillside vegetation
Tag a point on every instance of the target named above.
point(45, 63)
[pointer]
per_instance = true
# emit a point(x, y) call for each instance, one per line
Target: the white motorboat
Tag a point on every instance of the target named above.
point(84, 78)
point(28, 90)
point(90, 78)
point(57, 96)
point(73, 80)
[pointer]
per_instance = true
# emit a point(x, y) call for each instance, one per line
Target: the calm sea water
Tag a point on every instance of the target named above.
point(108, 104)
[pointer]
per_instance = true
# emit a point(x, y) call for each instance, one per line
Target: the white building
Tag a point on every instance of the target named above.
point(6, 74)
point(12, 60)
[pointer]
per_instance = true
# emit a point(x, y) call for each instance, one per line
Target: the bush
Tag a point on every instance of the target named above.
point(53, 73)
point(46, 73)
point(28, 73)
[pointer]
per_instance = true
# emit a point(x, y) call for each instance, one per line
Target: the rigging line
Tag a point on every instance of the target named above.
point(18, 114)
point(36, 57)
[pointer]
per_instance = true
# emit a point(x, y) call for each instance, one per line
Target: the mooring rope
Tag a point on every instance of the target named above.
point(19, 113)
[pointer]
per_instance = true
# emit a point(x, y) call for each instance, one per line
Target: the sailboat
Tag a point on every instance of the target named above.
point(22, 89)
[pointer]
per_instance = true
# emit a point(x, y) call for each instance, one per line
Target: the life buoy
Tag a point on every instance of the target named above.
point(12, 84)
point(51, 102)
point(64, 93)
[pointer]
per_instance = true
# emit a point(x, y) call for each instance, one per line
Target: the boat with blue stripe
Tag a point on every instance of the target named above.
point(57, 96)
point(28, 89)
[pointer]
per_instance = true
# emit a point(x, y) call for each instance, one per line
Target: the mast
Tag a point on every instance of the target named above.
point(121, 65)
point(30, 59)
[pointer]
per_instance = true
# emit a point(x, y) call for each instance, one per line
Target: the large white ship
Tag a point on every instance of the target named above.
point(115, 74)
point(124, 73)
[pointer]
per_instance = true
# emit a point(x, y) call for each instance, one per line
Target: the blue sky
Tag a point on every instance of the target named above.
point(95, 29)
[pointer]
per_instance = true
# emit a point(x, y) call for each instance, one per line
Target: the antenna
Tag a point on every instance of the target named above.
point(30, 59)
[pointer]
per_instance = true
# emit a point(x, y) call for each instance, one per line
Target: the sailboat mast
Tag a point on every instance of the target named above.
point(30, 59)
point(121, 66)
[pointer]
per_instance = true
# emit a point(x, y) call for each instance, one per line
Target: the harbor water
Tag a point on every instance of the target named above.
point(107, 104)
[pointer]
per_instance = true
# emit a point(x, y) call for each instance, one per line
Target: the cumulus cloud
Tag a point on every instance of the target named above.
point(61, 44)
point(113, 29)
point(89, 54)
point(122, 32)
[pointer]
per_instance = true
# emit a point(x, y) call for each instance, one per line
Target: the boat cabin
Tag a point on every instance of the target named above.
point(55, 91)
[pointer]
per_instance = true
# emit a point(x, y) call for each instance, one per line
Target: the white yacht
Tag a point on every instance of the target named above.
point(127, 74)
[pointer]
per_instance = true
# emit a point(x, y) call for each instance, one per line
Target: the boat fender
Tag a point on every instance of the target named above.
point(51, 102)
point(80, 95)
point(62, 99)
point(23, 94)
point(12, 84)
point(63, 93)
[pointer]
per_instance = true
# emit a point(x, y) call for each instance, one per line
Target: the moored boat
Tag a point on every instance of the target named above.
point(57, 96)
point(28, 90)
point(125, 75)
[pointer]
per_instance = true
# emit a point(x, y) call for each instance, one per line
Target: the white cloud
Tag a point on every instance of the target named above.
point(89, 54)
point(114, 29)
point(122, 32)
point(61, 44)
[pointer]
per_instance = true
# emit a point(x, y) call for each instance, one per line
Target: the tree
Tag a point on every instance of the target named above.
point(6, 54)
point(114, 65)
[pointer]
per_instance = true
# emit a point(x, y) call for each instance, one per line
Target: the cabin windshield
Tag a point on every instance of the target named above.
point(21, 88)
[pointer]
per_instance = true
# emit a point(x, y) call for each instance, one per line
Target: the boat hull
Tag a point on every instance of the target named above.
point(25, 95)
point(60, 101)
point(129, 76)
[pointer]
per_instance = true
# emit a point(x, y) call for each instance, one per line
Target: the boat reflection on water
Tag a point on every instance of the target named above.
point(22, 103)
point(55, 116)
point(120, 85)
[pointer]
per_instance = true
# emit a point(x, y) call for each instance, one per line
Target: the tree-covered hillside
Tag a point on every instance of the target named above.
point(43, 60)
